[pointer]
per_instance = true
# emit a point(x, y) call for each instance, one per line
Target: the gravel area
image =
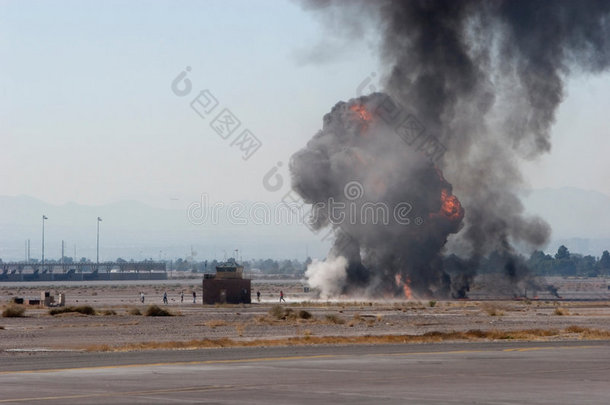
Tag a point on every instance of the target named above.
point(40, 330)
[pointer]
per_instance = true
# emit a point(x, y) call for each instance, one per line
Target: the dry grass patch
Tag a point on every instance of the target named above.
point(308, 339)
point(356, 319)
point(13, 311)
point(277, 311)
point(81, 309)
point(155, 310)
point(334, 319)
point(134, 311)
point(587, 333)
point(302, 314)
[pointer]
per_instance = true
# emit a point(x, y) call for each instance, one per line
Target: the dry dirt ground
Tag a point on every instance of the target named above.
point(114, 327)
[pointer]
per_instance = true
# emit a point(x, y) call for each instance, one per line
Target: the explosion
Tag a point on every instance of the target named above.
point(485, 78)
point(389, 206)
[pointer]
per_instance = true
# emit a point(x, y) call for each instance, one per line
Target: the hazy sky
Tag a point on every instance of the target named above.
point(87, 113)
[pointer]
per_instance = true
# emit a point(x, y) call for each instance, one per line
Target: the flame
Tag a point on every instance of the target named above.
point(362, 112)
point(450, 206)
point(405, 285)
point(407, 290)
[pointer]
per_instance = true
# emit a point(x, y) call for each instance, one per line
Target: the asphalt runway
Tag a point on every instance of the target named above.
point(442, 373)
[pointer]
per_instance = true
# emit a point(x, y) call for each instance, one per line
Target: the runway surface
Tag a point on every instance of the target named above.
point(464, 373)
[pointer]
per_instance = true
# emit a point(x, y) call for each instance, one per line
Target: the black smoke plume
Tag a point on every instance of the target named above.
point(485, 78)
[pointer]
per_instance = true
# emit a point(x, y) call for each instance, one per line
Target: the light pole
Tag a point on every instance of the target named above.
point(98, 241)
point(44, 217)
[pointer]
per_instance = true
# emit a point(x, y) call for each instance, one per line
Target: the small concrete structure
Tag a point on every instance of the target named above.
point(227, 285)
point(48, 300)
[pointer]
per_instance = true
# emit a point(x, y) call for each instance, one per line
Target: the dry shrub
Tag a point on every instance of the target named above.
point(431, 304)
point(277, 311)
point(334, 319)
point(575, 329)
point(357, 318)
point(134, 311)
point(492, 310)
point(561, 311)
point(108, 312)
point(13, 311)
point(81, 309)
point(289, 314)
point(304, 314)
point(476, 333)
point(155, 310)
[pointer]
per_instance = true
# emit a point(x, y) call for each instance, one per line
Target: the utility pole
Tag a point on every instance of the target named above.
point(98, 241)
point(44, 217)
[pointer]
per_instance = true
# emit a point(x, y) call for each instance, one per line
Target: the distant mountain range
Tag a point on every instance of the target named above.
point(130, 229)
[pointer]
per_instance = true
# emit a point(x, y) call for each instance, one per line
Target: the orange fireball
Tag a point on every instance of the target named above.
point(450, 205)
point(362, 112)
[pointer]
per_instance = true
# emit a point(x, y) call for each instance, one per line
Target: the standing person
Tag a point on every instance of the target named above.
point(181, 297)
point(258, 296)
point(165, 297)
point(142, 297)
point(282, 296)
point(194, 297)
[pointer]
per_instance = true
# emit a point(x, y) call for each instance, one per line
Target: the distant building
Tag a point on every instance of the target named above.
point(228, 285)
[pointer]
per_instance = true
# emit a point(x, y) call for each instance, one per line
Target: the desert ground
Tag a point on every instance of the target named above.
point(120, 322)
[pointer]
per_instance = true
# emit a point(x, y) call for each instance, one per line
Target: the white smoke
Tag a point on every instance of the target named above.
point(327, 276)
